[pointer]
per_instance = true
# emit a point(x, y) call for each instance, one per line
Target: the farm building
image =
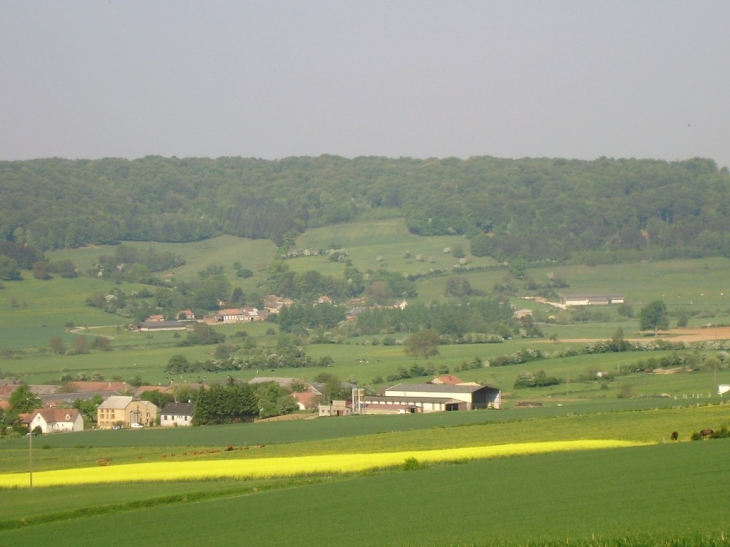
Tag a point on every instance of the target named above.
point(591, 299)
point(417, 398)
point(448, 379)
point(336, 408)
point(146, 326)
point(458, 397)
point(177, 414)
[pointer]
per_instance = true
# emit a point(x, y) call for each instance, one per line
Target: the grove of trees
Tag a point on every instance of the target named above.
point(527, 208)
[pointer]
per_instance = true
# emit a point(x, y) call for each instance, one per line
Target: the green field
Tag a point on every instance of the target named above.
point(658, 494)
point(516, 500)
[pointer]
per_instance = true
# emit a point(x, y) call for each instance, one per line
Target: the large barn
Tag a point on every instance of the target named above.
point(417, 398)
point(438, 397)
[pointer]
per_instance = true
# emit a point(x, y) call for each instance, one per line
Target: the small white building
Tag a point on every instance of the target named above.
point(177, 415)
point(591, 299)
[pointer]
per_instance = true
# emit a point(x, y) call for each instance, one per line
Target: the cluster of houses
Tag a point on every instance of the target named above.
point(122, 406)
point(224, 316)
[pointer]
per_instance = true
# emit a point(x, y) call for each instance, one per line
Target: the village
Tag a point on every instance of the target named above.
point(123, 406)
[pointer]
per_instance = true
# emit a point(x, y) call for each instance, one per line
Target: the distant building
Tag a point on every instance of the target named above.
point(125, 410)
point(419, 398)
point(591, 299)
point(146, 326)
point(185, 315)
point(177, 414)
point(448, 379)
point(450, 397)
point(56, 420)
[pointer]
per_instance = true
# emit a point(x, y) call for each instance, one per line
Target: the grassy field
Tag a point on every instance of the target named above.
point(617, 496)
point(547, 497)
point(633, 420)
point(498, 501)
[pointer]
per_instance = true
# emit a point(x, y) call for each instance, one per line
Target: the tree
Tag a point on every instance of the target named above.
point(57, 346)
point(177, 364)
point(683, 320)
point(42, 270)
point(203, 334)
point(65, 268)
point(103, 343)
point(9, 269)
point(80, 345)
point(625, 310)
point(227, 404)
point(23, 400)
point(423, 343)
point(654, 316)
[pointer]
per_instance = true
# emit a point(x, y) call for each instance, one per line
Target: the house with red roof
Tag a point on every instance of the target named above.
point(306, 400)
point(446, 379)
point(56, 420)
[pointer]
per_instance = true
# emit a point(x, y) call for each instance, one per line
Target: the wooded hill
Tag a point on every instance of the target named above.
point(527, 208)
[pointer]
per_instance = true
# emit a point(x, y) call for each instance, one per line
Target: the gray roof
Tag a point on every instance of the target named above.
point(283, 382)
point(438, 388)
point(161, 325)
point(410, 399)
point(118, 402)
point(82, 395)
point(178, 409)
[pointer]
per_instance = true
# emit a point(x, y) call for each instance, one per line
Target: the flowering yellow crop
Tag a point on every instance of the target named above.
point(285, 467)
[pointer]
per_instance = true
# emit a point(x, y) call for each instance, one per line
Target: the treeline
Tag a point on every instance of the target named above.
point(530, 208)
point(136, 265)
point(237, 402)
point(452, 320)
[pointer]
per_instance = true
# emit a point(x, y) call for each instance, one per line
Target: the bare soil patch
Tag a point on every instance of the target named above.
point(675, 335)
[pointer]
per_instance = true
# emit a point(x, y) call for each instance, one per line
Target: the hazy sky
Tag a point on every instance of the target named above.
point(557, 78)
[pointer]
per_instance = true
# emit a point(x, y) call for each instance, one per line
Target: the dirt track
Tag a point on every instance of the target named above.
point(696, 335)
point(677, 335)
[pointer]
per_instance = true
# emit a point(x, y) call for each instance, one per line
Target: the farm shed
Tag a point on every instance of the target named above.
point(591, 299)
point(410, 405)
point(146, 326)
point(336, 408)
point(464, 397)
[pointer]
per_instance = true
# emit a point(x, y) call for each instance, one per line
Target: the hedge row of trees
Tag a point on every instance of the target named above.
point(453, 319)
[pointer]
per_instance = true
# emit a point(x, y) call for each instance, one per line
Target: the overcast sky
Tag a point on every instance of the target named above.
point(272, 79)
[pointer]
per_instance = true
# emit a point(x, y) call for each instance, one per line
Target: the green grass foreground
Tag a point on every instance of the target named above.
point(651, 495)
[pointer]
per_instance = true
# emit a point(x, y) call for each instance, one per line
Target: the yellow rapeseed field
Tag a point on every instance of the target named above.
point(287, 467)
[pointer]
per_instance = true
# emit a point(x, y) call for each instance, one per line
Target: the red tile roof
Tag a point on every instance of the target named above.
point(100, 386)
point(55, 415)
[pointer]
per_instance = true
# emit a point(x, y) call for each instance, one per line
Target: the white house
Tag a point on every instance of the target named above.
point(55, 420)
point(177, 415)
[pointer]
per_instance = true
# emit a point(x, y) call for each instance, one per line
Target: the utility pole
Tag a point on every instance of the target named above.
point(30, 456)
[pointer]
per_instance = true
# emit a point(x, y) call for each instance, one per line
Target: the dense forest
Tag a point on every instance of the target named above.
point(527, 208)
